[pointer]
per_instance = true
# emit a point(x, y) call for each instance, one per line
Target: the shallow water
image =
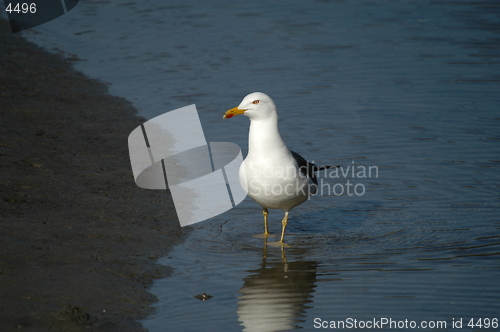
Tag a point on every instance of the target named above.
point(411, 87)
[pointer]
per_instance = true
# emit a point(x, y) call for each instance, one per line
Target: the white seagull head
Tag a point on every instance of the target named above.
point(257, 106)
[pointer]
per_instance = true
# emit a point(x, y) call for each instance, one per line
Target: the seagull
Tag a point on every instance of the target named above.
point(271, 174)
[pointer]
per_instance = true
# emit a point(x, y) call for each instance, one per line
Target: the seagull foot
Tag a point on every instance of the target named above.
point(264, 235)
point(279, 244)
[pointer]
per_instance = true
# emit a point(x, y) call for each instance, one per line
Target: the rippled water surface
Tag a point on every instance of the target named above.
point(411, 87)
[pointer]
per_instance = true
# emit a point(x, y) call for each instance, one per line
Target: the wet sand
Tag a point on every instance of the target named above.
point(78, 239)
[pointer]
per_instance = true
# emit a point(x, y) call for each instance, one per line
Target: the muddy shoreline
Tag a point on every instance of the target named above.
point(79, 240)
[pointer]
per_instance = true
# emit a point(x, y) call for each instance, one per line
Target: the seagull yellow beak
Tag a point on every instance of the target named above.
point(232, 112)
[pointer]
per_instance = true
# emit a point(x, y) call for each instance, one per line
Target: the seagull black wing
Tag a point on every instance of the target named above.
point(308, 169)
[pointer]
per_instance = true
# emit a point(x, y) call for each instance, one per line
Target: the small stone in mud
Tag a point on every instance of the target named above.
point(203, 297)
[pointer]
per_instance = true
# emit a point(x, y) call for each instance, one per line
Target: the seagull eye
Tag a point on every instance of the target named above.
point(256, 102)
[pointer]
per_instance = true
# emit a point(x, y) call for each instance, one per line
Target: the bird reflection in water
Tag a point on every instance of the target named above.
point(275, 296)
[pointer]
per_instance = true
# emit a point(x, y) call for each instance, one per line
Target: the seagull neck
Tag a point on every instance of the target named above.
point(264, 135)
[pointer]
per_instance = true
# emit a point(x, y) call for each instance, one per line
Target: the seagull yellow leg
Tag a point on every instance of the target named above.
point(265, 213)
point(281, 242)
point(284, 222)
